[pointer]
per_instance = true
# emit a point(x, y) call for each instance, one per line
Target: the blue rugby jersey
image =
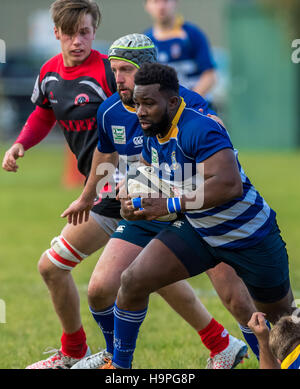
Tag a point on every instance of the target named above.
point(119, 128)
point(192, 139)
point(188, 52)
point(292, 361)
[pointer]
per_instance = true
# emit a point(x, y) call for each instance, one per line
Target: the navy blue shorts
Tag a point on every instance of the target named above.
point(263, 268)
point(139, 232)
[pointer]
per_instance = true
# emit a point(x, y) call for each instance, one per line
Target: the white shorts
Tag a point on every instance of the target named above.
point(109, 224)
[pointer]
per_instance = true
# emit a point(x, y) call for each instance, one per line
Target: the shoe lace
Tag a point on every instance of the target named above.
point(57, 353)
point(51, 350)
point(95, 359)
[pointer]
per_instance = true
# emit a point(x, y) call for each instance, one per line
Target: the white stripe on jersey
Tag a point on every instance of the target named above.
point(97, 88)
point(228, 214)
point(104, 113)
point(244, 231)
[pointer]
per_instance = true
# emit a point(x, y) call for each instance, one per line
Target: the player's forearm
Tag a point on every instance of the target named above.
point(37, 127)
point(102, 168)
point(266, 358)
point(206, 82)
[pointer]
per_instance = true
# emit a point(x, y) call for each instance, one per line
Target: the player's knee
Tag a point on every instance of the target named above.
point(131, 286)
point(63, 255)
point(100, 294)
point(42, 265)
point(46, 269)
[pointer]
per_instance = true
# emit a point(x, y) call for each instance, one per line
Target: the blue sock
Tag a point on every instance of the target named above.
point(251, 338)
point(105, 320)
point(127, 325)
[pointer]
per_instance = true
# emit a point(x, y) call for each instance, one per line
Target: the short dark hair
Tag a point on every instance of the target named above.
point(67, 14)
point(155, 73)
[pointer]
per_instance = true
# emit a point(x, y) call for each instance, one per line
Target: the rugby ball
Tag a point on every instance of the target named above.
point(144, 181)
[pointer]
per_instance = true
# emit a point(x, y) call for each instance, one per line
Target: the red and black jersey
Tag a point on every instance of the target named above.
point(74, 94)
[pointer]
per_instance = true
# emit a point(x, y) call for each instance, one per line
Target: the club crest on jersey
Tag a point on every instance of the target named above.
point(175, 51)
point(119, 134)
point(81, 99)
point(175, 164)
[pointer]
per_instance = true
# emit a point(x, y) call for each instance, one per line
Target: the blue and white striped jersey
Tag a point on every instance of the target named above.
point(192, 139)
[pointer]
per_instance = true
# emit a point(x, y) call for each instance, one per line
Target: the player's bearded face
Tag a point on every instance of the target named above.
point(157, 127)
point(124, 75)
point(126, 95)
point(152, 109)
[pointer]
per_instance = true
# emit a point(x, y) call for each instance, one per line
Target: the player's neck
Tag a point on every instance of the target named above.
point(164, 26)
point(168, 30)
point(70, 63)
point(171, 118)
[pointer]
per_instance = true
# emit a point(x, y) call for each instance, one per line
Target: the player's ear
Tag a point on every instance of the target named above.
point(56, 33)
point(173, 101)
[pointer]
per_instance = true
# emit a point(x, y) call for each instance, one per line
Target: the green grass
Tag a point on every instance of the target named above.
point(31, 202)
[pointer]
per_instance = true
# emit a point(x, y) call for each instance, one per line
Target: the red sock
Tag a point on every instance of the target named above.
point(74, 345)
point(214, 337)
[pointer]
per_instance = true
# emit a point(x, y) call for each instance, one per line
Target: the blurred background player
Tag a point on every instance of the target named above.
point(182, 45)
point(280, 346)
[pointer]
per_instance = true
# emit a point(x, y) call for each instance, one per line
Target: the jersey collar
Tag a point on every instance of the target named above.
point(128, 108)
point(174, 129)
point(286, 363)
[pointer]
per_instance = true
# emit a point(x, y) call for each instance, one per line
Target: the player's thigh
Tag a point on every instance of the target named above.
point(263, 267)
point(87, 237)
point(155, 267)
point(188, 247)
point(117, 255)
point(125, 244)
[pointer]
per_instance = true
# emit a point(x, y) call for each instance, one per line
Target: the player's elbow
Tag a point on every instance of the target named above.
point(234, 188)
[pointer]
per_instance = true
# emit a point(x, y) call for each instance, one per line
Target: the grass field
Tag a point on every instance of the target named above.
point(31, 202)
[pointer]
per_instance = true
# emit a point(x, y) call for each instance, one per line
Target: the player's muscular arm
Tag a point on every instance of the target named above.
point(222, 182)
point(102, 169)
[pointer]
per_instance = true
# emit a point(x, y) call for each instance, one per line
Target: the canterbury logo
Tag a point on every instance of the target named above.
point(138, 140)
point(120, 229)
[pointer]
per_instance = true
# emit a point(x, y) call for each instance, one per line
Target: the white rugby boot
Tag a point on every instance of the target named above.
point(57, 361)
point(231, 356)
point(94, 361)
